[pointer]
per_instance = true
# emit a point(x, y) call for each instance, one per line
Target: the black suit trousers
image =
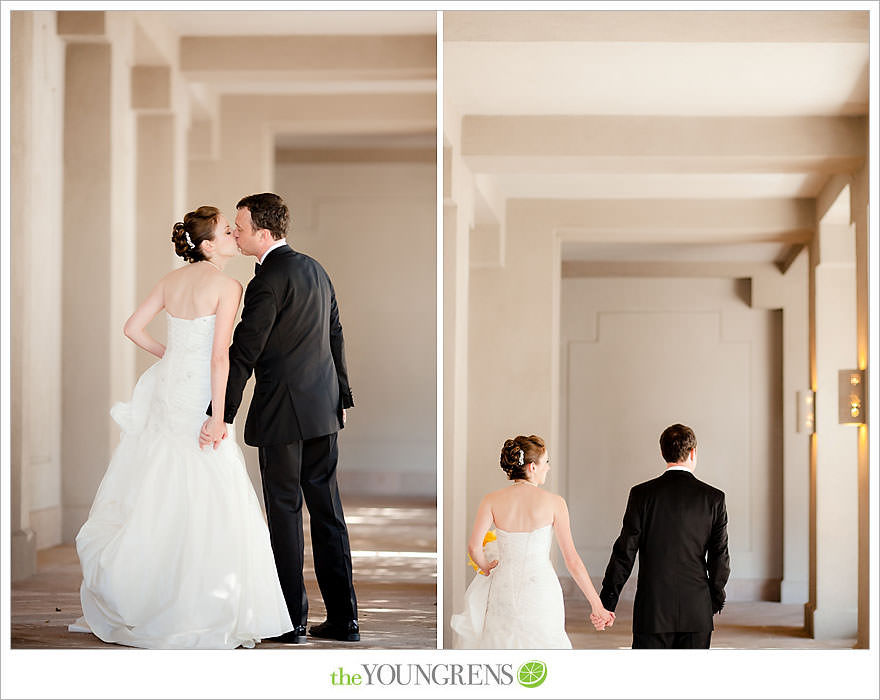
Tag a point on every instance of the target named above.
point(672, 640)
point(306, 470)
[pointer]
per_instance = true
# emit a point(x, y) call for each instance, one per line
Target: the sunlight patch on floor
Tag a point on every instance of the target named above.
point(397, 555)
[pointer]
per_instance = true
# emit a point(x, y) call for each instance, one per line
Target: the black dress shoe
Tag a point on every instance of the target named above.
point(341, 631)
point(296, 636)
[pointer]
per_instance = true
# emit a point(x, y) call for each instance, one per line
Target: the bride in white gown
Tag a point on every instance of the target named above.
point(515, 601)
point(175, 552)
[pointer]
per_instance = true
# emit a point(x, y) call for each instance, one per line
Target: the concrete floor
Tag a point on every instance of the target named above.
point(395, 575)
point(394, 555)
point(741, 625)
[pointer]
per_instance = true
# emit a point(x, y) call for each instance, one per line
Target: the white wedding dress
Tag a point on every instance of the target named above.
point(519, 604)
point(175, 553)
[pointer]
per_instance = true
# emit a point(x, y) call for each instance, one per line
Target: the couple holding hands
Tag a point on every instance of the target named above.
point(676, 523)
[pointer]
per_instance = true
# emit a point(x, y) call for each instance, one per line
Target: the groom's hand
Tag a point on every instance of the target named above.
point(602, 620)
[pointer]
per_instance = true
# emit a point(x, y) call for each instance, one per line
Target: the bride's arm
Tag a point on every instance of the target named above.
point(482, 523)
point(562, 528)
point(227, 308)
point(135, 326)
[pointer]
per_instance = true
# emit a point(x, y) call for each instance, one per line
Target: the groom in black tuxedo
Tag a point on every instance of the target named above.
point(291, 338)
point(678, 526)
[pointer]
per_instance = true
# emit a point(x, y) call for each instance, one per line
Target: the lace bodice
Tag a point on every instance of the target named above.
point(177, 388)
point(525, 548)
point(190, 338)
point(519, 605)
point(184, 384)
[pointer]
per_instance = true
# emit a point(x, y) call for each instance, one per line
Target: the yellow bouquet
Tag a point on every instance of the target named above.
point(490, 537)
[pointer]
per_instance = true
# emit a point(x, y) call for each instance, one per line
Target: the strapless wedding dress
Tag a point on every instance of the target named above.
point(175, 553)
point(519, 604)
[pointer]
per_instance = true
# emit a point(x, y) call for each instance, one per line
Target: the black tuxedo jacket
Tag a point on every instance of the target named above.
point(290, 337)
point(678, 526)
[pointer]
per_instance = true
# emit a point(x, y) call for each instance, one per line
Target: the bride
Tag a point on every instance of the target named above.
point(175, 553)
point(515, 601)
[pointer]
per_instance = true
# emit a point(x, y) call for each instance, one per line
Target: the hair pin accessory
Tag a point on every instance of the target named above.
point(189, 240)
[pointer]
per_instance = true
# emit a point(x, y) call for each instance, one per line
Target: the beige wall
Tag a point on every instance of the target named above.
point(372, 226)
point(640, 354)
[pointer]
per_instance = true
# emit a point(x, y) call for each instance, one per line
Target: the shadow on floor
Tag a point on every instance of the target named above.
point(394, 555)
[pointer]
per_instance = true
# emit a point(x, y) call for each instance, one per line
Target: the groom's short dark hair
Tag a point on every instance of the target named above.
point(267, 211)
point(676, 442)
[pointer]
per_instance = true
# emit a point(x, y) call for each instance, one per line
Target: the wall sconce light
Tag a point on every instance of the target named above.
point(851, 397)
point(806, 412)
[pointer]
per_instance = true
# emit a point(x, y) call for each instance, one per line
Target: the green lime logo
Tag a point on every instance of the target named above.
point(531, 674)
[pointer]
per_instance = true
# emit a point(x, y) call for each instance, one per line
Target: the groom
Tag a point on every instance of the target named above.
point(291, 338)
point(678, 526)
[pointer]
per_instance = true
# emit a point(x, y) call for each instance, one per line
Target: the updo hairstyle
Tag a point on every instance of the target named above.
point(518, 453)
point(197, 226)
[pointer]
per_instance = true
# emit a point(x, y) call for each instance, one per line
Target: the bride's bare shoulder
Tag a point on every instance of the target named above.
point(176, 274)
point(494, 496)
point(558, 503)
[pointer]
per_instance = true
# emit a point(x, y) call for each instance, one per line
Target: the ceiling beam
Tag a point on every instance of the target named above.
point(274, 58)
point(543, 144)
point(647, 268)
point(78, 24)
point(715, 26)
point(667, 220)
point(297, 156)
point(306, 114)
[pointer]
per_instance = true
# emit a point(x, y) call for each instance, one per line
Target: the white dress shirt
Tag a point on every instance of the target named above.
point(277, 244)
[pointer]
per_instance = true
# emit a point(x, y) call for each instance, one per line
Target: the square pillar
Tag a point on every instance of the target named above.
point(832, 611)
point(156, 213)
point(87, 293)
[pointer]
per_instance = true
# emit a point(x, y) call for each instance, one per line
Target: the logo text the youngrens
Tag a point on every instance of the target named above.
point(425, 674)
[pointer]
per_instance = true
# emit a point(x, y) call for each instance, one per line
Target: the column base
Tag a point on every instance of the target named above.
point(831, 623)
point(809, 609)
point(24, 554)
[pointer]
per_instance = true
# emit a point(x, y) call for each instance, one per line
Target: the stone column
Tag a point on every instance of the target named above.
point(833, 606)
point(859, 214)
point(788, 291)
point(156, 189)
point(98, 258)
point(796, 445)
point(86, 294)
point(35, 209)
point(24, 559)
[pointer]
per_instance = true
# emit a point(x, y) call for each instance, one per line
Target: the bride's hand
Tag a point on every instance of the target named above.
point(492, 565)
point(602, 618)
point(213, 431)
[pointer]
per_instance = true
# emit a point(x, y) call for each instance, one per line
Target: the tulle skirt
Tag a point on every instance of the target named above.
point(175, 552)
